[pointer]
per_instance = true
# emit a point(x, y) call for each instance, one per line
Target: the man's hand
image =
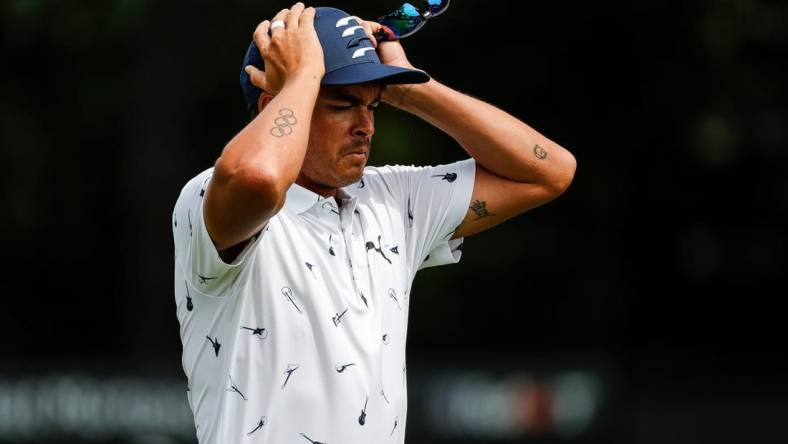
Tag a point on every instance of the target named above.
point(390, 53)
point(288, 52)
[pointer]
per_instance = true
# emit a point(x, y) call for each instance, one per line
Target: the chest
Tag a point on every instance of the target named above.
point(328, 260)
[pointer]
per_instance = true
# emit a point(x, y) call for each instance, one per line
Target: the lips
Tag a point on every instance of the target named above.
point(359, 148)
point(357, 152)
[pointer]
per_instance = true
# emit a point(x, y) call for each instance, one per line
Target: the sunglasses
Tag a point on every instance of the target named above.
point(407, 19)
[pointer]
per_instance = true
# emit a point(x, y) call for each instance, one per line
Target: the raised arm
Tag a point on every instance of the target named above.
point(258, 165)
point(517, 168)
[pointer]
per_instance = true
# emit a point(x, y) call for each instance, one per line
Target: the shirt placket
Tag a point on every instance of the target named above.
point(348, 226)
point(343, 222)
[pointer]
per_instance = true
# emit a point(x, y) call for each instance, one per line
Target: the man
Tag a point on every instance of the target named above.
point(294, 260)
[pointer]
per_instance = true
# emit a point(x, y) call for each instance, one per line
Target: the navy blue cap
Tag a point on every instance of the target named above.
point(348, 55)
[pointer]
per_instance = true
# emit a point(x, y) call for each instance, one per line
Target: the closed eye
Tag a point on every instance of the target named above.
point(372, 107)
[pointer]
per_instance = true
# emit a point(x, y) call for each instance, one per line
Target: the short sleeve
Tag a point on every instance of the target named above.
point(435, 200)
point(195, 252)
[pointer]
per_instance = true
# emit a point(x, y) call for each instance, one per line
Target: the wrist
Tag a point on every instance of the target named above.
point(401, 96)
point(394, 95)
point(307, 76)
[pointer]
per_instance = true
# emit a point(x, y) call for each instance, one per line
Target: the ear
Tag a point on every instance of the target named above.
point(263, 100)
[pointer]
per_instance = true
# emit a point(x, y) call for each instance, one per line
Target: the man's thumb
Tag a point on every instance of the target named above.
point(256, 76)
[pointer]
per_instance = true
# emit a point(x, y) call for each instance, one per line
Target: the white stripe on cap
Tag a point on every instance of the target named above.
point(345, 21)
point(351, 30)
point(361, 51)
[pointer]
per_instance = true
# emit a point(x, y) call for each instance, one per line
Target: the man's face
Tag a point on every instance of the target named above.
point(340, 137)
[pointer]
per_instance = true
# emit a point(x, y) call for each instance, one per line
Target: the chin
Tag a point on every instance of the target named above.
point(352, 177)
point(354, 170)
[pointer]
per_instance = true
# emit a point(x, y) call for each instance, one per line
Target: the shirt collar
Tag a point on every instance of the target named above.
point(300, 199)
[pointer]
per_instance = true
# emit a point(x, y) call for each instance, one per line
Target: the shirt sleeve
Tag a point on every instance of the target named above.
point(195, 252)
point(435, 200)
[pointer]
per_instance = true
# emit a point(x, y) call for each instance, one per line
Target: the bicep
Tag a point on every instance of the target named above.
point(496, 199)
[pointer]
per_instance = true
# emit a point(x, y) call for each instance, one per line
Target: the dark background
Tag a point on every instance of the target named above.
point(661, 269)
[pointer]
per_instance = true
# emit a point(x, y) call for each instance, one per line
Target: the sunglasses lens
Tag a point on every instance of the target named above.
point(436, 6)
point(404, 21)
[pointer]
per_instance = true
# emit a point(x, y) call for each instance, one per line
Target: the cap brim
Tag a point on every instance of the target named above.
point(370, 72)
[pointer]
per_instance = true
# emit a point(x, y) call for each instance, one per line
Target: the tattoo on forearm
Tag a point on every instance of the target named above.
point(540, 152)
point(284, 123)
point(402, 97)
point(480, 208)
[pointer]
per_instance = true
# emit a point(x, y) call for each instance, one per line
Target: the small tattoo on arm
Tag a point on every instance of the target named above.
point(402, 97)
point(540, 152)
point(284, 123)
point(480, 208)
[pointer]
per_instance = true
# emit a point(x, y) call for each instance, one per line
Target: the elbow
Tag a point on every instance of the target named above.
point(565, 174)
point(256, 184)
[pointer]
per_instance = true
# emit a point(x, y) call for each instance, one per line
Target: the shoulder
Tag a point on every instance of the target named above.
point(384, 180)
point(386, 170)
point(196, 183)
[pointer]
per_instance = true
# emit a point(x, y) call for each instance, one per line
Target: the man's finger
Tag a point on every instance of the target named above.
point(260, 35)
point(280, 16)
point(295, 14)
point(256, 76)
point(369, 29)
point(307, 18)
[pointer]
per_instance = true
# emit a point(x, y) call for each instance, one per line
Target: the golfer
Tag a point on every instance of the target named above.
point(294, 259)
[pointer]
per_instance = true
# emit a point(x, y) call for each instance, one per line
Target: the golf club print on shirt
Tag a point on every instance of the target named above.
point(216, 345)
point(410, 215)
point(393, 295)
point(341, 367)
point(362, 419)
point(263, 421)
point(448, 177)
point(330, 246)
point(189, 304)
point(290, 369)
point(338, 318)
point(313, 442)
point(371, 246)
point(234, 388)
point(308, 265)
point(204, 280)
point(261, 333)
point(330, 206)
point(288, 293)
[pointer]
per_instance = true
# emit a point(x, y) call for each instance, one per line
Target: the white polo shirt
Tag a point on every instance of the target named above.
point(302, 337)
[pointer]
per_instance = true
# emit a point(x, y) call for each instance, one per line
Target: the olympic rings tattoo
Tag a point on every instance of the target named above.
point(284, 123)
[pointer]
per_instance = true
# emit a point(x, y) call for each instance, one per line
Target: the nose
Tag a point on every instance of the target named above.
point(364, 123)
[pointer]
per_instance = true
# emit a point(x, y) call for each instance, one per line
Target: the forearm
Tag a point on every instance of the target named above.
point(274, 144)
point(498, 141)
